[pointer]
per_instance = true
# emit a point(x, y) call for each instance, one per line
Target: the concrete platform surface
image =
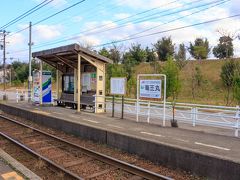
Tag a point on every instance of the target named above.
point(9, 166)
point(224, 147)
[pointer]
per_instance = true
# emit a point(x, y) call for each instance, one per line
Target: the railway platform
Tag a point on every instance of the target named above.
point(214, 155)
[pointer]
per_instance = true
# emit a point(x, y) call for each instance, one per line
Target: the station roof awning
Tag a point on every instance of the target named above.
point(68, 55)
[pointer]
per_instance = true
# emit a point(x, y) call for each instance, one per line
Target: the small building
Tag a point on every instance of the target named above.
point(78, 70)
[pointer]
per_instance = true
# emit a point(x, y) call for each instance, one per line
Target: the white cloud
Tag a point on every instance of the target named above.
point(16, 39)
point(87, 41)
point(121, 15)
point(142, 4)
point(77, 18)
point(47, 32)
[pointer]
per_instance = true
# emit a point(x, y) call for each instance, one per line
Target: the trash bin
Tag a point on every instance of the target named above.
point(5, 97)
point(21, 97)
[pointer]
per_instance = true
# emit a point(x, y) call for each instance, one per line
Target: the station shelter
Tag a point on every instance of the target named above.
point(80, 76)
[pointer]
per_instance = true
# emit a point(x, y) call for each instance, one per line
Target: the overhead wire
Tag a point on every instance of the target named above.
point(196, 12)
point(27, 13)
point(169, 30)
point(140, 20)
point(70, 38)
point(46, 18)
point(131, 38)
point(122, 19)
point(93, 10)
point(105, 25)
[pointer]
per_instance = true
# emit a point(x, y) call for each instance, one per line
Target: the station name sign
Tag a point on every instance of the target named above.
point(150, 89)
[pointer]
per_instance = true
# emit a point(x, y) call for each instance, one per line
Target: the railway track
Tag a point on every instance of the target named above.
point(76, 162)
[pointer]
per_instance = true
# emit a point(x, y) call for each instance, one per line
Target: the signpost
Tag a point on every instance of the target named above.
point(118, 87)
point(151, 89)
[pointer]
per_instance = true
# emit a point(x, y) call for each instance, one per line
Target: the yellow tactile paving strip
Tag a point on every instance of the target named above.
point(11, 176)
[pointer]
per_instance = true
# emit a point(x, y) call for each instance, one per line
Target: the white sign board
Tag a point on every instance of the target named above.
point(86, 80)
point(150, 89)
point(118, 86)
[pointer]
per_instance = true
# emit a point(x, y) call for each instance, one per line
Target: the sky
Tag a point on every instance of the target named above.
point(98, 23)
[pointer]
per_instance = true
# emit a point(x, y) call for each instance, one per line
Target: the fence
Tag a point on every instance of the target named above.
point(152, 112)
point(194, 114)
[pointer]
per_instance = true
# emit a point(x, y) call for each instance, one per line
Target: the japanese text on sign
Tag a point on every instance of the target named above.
point(150, 88)
point(118, 86)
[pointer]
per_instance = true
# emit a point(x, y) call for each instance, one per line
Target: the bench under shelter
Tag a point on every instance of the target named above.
point(77, 68)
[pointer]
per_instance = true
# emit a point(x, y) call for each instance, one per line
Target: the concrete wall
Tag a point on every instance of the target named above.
point(196, 163)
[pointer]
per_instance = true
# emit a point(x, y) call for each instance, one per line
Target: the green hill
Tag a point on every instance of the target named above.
point(211, 90)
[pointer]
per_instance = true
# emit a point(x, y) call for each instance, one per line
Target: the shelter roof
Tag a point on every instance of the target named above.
point(68, 54)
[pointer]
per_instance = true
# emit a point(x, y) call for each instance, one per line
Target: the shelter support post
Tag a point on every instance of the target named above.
point(100, 89)
point(58, 83)
point(79, 83)
point(75, 84)
point(41, 91)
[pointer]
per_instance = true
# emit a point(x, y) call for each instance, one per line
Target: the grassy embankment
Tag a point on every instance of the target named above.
point(211, 90)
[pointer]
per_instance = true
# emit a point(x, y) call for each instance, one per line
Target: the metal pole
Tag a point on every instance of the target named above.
point(79, 83)
point(4, 62)
point(164, 101)
point(149, 111)
point(122, 107)
point(137, 97)
point(30, 62)
point(113, 104)
point(41, 72)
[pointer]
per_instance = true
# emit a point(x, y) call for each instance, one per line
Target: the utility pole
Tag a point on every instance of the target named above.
point(4, 61)
point(4, 33)
point(30, 63)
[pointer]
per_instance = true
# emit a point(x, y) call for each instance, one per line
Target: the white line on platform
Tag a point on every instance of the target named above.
point(115, 126)
point(89, 120)
point(183, 140)
point(212, 146)
point(157, 135)
point(57, 113)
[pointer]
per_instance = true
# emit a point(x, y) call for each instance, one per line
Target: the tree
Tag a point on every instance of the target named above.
point(104, 52)
point(164, 48)
point(150, 56)
point(137, 53)
point(173, 82)
point(115, 54)
point(227, 77)
point(225, 48)
point(129, 63)
point(180, 56)
point(237, 89)
point(173, 85)
point(200, 49)
point(236, 92)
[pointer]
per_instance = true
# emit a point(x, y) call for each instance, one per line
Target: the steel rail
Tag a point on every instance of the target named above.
point(72, 175)
point(101, 157)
